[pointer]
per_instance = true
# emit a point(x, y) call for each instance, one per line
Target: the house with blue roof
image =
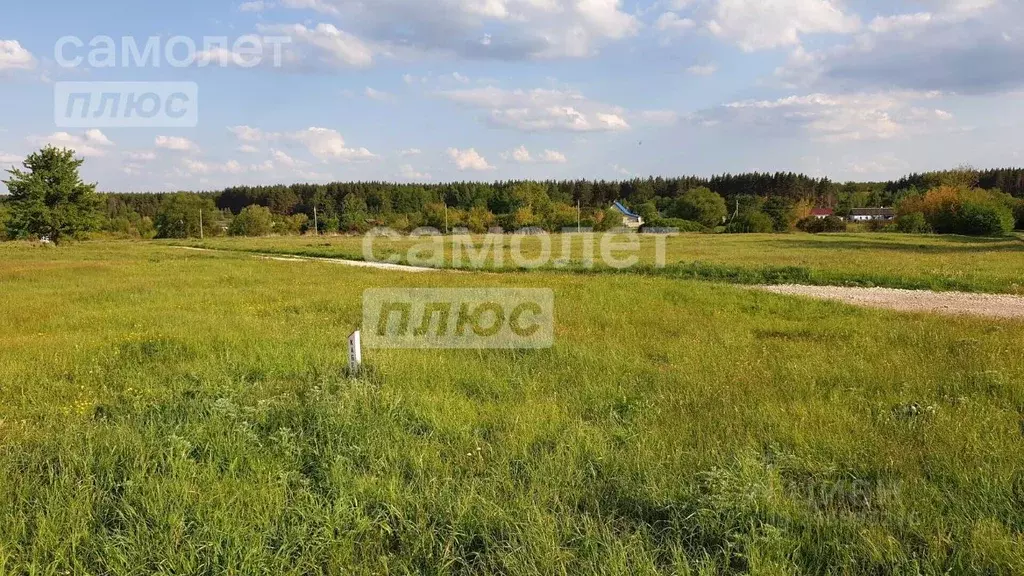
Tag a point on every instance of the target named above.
point(630, 219)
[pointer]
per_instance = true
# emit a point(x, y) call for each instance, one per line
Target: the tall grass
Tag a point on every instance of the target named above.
point(165, 411)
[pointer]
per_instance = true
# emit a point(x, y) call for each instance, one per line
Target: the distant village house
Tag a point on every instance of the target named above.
point(630, 219)
point(872, 214)
point(822, 213)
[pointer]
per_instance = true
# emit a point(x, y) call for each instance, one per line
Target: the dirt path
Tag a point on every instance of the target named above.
point(343, 262)
point(951, 303)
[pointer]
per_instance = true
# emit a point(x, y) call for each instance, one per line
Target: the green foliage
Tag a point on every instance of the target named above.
point(180, 214)
point(675, 224)
point(751, 223)
point(1018, 213)
point(700, 205)
point(49, 199)
point(648, 211)
point(782, 211)
point(822, 225)
point(611, 219)
point(252, 221)
point(982, 218)
point(951, 210)
point(913, 223)
point(296, 224)
point(5, 216)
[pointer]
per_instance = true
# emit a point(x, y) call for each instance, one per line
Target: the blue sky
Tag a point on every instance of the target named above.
point(438, 90)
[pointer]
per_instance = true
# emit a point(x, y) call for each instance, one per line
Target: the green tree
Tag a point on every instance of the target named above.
point(49, 198)
point(180, 214)
point(5, 216)
point(648, 211)
point(252, 221)
point(700, 205)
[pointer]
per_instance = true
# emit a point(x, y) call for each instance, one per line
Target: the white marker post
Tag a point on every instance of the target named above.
point(355, 354)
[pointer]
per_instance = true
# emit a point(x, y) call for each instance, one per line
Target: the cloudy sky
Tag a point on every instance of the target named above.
point(437, 90)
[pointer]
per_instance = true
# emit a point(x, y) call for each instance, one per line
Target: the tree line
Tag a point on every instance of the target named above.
point(751, 202)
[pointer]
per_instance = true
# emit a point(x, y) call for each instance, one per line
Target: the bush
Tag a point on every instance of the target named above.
point(752, 223)
point(973, 212)
point(1018, 213)
point(252, 221)
point(913, 223)
point(984, 219)
point(822, 225)
point(676, 224)
point(700, 205)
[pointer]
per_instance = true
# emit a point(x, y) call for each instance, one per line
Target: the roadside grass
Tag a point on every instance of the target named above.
point(169, 411)
point(942, 263)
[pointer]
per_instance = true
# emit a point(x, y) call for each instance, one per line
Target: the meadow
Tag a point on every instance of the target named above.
point(165, 411)
point(994, 265)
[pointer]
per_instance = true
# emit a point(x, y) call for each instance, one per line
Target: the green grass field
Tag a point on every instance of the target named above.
point(889, 260)
point(164, 411)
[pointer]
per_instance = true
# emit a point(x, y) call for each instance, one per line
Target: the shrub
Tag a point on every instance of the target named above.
point(822, 225)
point(751, 223)
point(913, 223)
point(252, 221)
point(984, 219)
point(950, 210)
point(675, 223)
point(1018, 213)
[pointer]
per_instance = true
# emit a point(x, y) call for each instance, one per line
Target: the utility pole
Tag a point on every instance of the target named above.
point(579, 218)
point(445, 217)
point(201, 237)
point(316, 222)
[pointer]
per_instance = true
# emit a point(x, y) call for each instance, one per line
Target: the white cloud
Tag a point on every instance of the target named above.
point(255, 6)
point(282, 159)
point(378, 95)
point(672, 23)
point(965, 46)
point(409, 173)
point(6, 158)
point(469, 160)
point(523, 156)
point(93, 143)
point(830, 117)
point(763, 24)
point(496, 29)
point(659, 117)
point(323, 45)
point(327, 145)
point(140, 156)
point(702, 69)
point(411, 152)
point(252, 135)
point(13, 56)
point(248, 149)
point(553, 157)
point(175, 143)
point(541, 110)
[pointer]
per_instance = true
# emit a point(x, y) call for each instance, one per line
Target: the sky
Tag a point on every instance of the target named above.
point(291, 91)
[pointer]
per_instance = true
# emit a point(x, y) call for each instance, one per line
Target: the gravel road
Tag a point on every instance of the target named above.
point(952, 303)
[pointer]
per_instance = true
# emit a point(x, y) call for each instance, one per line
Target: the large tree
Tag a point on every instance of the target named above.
point(49, 199)
point(180, 216)
point(700, 205)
